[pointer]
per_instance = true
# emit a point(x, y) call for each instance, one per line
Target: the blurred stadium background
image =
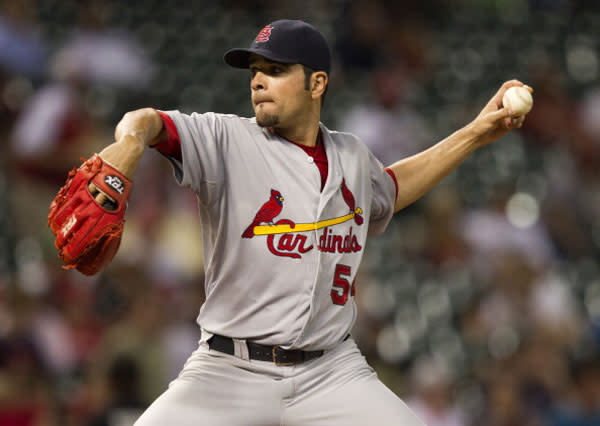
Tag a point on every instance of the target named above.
point(480, 305)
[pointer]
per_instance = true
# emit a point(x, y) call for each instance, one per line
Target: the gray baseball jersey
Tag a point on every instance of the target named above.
point(280, 254)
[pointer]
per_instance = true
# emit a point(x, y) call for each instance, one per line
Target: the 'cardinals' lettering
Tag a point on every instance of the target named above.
point(288, 243)
point(294, 244)
point(331, 243)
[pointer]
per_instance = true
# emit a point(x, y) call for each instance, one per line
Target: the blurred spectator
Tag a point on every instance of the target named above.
point(589, 113)
point(68, 330)
point(445, 242)
point(388, 125)
point(24, 396)
point(490, 235)
point(555, 120)
point(102, 55)
point(432, 395)
point(365, 26)
point(164, 234)
point(54, 127)
point(372, 33)
point(124, 404)
point(139, 335)
point(543, 372)
point(583, 406)
point(506, 406)
point(22, 50)
point(554, 310)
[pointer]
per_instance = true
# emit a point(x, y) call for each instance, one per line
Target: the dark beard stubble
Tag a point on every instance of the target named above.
point(267, 120)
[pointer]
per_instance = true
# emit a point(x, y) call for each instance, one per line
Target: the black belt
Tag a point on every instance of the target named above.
point(263, 352)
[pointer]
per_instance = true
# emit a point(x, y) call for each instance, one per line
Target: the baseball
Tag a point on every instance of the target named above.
point(518, 100)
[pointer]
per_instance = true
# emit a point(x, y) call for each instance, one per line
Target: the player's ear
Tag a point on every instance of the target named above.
point(318, 83)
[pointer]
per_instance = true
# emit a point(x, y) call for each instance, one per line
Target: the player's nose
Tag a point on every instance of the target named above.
point(258, 81)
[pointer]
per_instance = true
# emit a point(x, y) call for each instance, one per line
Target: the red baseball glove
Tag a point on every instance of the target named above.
point(88, 225)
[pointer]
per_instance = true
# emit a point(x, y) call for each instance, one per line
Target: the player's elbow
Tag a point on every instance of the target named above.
point(144, 123)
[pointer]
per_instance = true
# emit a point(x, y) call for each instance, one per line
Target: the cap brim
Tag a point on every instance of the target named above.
point(240, 58)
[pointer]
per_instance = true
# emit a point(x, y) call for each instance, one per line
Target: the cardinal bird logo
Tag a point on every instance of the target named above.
point(349, 199)
point(266, 213)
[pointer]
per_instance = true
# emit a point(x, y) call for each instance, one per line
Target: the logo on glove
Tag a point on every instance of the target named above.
point(68, 225)
point(115, 183)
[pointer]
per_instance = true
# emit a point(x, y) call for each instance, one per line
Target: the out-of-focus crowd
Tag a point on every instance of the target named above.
point(480, 304)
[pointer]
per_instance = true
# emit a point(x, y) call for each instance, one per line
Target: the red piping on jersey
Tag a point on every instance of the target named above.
point(171, 145)
point(319, 156)
point(391, 173)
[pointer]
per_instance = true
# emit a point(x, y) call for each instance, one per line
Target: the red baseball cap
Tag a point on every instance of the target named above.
point(286, 41)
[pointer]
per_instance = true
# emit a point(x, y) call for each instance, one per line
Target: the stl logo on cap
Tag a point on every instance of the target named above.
point(264, 34)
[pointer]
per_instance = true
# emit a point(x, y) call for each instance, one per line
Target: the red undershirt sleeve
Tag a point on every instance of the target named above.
point(393, 176)
point(171, 145)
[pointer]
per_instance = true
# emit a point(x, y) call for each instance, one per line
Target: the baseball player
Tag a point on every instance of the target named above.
point(286, 206)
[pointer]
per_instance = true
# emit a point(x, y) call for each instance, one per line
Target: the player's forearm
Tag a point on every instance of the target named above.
point(124, 154)
point(136, 130)
point(418, 174)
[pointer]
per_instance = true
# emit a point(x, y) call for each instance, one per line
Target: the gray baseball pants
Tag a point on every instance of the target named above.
point(339, 388)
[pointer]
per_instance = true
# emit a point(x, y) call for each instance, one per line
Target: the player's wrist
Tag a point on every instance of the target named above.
point(124, 155)
point(472, 135)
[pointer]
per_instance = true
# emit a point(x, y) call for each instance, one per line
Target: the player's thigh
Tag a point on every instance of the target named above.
point(179, 406)
point(216, 390)
point(356, 403)
point(342, 389)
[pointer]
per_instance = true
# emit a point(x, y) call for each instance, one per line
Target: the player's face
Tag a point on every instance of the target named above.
point(279, 95)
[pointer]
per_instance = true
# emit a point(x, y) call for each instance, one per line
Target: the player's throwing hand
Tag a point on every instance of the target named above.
point(495, 120)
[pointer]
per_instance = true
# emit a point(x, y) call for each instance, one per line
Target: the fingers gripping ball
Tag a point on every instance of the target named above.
point(88, 232)
point(518, 100)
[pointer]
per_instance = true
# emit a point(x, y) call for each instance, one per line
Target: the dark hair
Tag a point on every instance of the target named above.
point(307, 73)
